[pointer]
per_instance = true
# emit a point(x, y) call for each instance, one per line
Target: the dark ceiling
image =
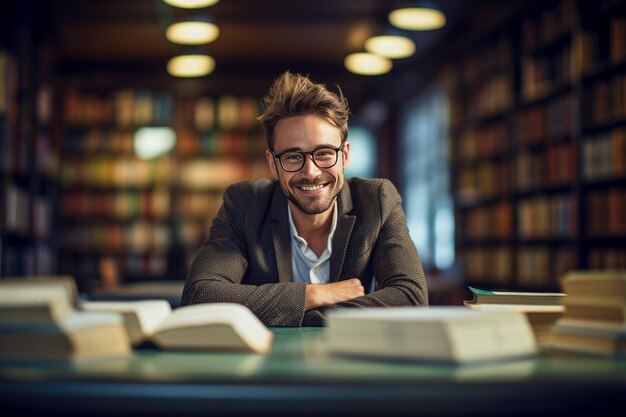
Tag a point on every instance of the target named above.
point(122, 41)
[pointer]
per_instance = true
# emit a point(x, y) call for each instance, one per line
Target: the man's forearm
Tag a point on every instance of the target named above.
point(318, 295)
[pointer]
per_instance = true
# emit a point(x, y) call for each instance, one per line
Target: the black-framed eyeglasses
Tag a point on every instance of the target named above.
point(324, 157)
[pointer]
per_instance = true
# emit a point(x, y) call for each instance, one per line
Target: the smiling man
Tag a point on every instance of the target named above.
point(307, 241)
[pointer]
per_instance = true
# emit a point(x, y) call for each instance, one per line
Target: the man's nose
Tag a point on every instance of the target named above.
point(310, 170)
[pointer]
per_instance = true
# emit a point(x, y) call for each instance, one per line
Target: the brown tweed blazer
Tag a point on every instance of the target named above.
point(247, 256)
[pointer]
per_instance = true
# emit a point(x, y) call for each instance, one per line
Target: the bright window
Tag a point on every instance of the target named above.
point(425, 162)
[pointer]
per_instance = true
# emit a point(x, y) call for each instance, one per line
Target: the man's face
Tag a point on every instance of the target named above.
point(312, 189)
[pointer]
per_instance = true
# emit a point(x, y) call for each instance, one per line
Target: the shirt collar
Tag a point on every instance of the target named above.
point(294, 231)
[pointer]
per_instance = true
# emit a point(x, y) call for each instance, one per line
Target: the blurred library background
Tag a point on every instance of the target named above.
point(503, 126)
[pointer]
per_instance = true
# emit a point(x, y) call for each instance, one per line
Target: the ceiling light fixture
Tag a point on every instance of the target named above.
point(390, 46)
point(192, 32)
point(191, 4)
point(365, 63)
point(189, 66)
point(417, 18)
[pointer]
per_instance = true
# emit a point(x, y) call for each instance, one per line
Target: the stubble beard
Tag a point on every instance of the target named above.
point(314, 204)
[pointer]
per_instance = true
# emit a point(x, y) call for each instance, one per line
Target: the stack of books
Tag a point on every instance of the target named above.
point(542, 309)
point(42, 317)
point(38, 319)
point(594, 320)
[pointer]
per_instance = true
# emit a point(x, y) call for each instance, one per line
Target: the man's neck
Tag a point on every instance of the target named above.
point(313, 227)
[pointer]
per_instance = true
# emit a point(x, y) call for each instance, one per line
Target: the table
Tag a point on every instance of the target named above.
point(300, 378)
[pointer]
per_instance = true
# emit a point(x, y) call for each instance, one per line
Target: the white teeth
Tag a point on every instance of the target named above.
point(312, 188)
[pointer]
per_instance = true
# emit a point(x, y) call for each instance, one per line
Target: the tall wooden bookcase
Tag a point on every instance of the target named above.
point(538, 125)
point(123, 218)
point(28, 155)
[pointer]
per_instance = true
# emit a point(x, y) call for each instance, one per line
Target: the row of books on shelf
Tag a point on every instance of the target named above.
point(139, 237)
point(492, 96)
point(189, 142)
point(553, 120)
point(543, 217)
point(90, 270)
point(489, 98)
point(108, 171)
point(556, 165)
point(604, 155)
point(16, 155)
point(547, 217)
point(136, 107)
point(201, 174)
point(606, 212)
point(483, 87)
point(116, 205)
point(540, 267)
point(38, 258)
point(122, 172)
point(535, 267)
point(198, 204)
point(219, 143)
point(607, 258)
point(601, 49)
point(5, 82)
point(477, 66)
point(544, 74)
point(606, 101)
point(482, 141)
point(26, 213)
point(486, 264)
point(152, 204)
point(226, 112)
point(492, 221)
point(190, 232)
point(482, 181)
point(544, 123)
point(550, 24)
point(126, 107)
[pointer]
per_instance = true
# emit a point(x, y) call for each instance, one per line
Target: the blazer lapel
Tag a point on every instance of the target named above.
point(279, 221)
point(345, 223)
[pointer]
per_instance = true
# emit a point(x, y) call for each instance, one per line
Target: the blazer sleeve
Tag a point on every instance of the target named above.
point(217, 271)
point(396, 264)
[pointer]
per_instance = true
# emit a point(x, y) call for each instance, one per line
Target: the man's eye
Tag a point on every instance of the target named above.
point(323, 154)
point(294, 157)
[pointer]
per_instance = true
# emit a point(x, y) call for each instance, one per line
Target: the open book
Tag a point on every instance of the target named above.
point(448, 334)
point(38, 319)
point(219, 326)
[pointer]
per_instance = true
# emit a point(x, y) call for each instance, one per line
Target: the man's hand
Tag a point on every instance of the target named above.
point(318, 295)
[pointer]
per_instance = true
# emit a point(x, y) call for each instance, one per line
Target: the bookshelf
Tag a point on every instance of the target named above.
point(539, 171)
point(124, 218)
point(28, 160)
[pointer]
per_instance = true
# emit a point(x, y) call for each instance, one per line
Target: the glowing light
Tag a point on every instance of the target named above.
point(365, 63)
point(192, 33)
point(151, 142)
point(417, 18)
point(390, 46)
point(191, 65)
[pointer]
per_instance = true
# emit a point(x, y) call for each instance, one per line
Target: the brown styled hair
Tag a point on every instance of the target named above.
point(296, 95)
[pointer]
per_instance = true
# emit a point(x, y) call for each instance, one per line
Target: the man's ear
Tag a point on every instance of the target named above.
point(346, 154)
point(271, 161)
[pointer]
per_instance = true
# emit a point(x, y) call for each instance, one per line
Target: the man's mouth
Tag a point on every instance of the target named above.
point(312, 187)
